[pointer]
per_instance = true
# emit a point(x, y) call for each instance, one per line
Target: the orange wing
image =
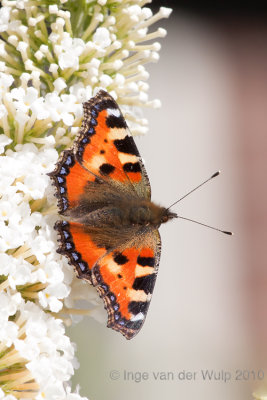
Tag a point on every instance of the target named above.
point(76, 243)
point(106, 148)
point(125, 280)
point(124, 277)
point(70, 179)
point(103, 151)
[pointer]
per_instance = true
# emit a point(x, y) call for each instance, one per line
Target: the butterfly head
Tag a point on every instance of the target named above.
point(167, 215)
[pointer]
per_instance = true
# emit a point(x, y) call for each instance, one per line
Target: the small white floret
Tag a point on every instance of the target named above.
point(102, 37)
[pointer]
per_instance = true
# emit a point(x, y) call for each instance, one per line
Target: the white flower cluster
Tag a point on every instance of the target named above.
point(68, 62)
point(68, 53)
point(30, 269)
point(37, 114)
point(38, 341)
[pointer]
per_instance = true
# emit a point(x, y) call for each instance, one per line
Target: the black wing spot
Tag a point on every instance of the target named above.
point(132, 167)
point(145, 283)
point(113, 121)
point(146, 261)
point(135, 307)
point(120, 259)
point(126, 145)
point(106, 169)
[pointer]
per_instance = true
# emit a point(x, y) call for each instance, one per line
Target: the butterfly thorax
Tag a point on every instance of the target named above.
point(147, 213)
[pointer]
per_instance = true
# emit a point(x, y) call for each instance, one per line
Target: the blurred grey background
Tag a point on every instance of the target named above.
point(209, 305)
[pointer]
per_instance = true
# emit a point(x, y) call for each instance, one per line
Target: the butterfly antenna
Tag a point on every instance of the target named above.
point(207, 226)
point(197, 222)
point(197, 187)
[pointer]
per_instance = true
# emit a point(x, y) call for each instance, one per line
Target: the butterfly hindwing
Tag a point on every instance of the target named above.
point(125, 279)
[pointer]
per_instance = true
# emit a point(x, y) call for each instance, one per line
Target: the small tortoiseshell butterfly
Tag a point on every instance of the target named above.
point(111, 234)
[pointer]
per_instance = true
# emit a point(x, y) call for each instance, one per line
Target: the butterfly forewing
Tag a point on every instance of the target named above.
point(106, 147)
point(70, 180)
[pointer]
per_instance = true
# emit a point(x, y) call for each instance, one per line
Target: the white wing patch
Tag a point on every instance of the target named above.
point(137, 317)
point(114, 111)
point(96, 162)
point(137, 295)
point(117, 133)
point(127, 158)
